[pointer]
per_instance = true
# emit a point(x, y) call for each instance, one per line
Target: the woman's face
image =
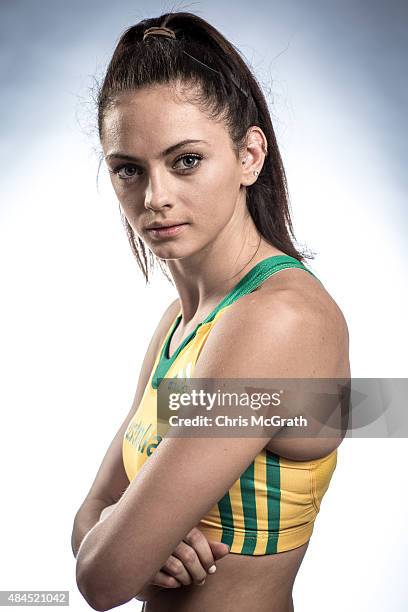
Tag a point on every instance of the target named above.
point(158, 180)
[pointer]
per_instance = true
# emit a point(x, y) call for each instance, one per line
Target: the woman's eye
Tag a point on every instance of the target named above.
point(128, 172)
point(191, 157)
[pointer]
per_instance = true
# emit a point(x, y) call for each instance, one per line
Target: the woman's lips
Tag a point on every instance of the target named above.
point(166, 232)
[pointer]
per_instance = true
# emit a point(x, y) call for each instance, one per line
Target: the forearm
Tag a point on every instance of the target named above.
point(87, 516)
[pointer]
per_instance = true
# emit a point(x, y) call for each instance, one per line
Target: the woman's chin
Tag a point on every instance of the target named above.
point(172, 251)
point(169, 253)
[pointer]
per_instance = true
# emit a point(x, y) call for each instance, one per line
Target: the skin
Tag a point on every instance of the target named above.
point(215, 250)
point(190, 561)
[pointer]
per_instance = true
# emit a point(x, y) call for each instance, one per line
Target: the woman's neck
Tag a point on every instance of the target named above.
point(202, 285)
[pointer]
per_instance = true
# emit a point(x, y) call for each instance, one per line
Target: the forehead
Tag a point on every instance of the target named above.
point(157, 116)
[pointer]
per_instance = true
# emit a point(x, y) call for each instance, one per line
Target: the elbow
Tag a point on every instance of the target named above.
point(100, 592)
point(89, 590)
point(89, 576)
point(101, 575)
point(93, 588)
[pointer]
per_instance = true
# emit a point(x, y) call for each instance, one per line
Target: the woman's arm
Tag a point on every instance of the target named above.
point(190, 561)
point(86, 518)
point(185, 477)
point(111, 479)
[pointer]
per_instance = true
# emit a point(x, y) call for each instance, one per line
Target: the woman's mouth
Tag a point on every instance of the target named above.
point(167, 232)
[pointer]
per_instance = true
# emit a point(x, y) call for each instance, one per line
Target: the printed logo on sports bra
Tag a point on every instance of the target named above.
point(137, 435)
point(141, 435)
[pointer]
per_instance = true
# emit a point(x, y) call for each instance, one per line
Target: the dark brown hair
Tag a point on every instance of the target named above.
point(233, 95)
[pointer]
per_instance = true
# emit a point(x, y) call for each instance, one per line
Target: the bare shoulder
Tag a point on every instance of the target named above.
point(301, 292)
point(290, 327)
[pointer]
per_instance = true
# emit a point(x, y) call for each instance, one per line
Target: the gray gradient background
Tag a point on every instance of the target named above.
point(71, 343)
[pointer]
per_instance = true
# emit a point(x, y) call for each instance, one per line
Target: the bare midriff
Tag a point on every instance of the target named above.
point(242, 583)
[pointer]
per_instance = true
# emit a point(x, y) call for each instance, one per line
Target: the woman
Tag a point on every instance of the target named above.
point(188, 141)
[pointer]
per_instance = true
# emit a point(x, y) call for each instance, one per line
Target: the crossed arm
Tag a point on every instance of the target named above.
point(190, 563)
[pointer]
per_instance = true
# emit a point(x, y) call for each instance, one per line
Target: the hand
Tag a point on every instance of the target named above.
point(190, 561)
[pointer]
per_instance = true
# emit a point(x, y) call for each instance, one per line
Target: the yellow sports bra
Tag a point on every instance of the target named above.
point(273, 505)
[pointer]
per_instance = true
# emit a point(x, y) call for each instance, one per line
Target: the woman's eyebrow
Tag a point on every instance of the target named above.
point(167, 151)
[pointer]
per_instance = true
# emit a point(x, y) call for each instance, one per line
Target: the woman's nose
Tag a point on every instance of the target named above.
point(157, 195)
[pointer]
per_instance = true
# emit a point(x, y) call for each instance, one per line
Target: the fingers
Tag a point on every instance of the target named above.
point(189, 559)
point(191, 562)
point(196, 555)
point(201, 546)
point(164, 580)
point(218, 549)
point(180, 568)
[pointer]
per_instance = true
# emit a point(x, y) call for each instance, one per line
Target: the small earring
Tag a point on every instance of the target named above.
point(256, 172)
point(244, 160)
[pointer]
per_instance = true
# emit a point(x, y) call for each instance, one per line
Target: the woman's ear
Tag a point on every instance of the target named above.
point(253, 155)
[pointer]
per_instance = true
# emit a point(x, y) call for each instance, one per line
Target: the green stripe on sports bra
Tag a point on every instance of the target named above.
point(249, 509)
point(274, 500)
point(227, 519)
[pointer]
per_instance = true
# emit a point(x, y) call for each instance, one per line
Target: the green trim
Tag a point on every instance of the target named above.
point(252, 279)
point(273, 500)
point(249, 509)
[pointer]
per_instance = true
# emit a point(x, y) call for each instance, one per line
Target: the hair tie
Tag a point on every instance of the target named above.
point(159, 31)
